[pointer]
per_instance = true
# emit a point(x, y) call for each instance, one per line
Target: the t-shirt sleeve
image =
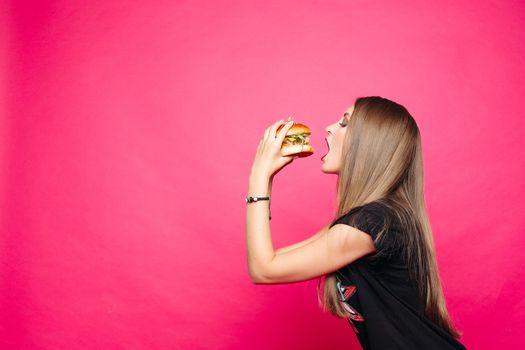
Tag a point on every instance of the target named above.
point(368, 218)
point(373, 219)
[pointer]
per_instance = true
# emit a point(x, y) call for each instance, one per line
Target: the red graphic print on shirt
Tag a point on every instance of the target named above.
point(346, 292)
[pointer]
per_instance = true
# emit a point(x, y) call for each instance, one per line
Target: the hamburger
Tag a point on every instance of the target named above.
point(297, 141)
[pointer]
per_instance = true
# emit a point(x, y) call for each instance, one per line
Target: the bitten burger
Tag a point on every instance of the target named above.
point(297, 141)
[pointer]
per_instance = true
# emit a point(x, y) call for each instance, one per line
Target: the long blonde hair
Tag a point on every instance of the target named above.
point(382, 162)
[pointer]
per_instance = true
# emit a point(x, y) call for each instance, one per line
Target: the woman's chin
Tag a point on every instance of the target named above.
point(328, 171)
point(325, 168)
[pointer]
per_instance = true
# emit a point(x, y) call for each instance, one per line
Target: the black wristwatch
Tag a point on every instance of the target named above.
point(256, 199)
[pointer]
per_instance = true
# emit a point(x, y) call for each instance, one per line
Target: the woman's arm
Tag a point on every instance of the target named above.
point(258, 240)
point(302, 243)
point(329, 250)
point(325, 252)
point(266, 164)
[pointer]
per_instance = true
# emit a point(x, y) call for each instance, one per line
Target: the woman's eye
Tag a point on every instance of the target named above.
point(342, 124)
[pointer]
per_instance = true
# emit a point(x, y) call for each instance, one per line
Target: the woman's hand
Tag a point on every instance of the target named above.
point(268, 160)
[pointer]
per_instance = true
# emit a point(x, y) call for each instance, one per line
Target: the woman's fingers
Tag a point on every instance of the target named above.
point(273, 129)
point(268, 159)
point(266, 133)
point(279, 138)
point(272, 137)
point(270, 131)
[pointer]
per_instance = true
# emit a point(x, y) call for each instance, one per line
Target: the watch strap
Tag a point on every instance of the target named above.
point(250, 199)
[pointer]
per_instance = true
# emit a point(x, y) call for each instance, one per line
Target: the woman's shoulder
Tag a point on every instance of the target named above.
point(367, 218)
point(380, 219)
point(370, 212)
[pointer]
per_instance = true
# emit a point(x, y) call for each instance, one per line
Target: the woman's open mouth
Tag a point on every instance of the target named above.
point(328, 146)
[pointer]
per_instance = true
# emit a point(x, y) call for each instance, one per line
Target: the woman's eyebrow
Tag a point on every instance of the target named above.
point(346, 114)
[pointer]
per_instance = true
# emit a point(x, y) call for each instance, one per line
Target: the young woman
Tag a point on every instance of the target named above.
point(376, 257)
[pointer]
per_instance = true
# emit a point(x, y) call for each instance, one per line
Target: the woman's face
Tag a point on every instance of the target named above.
point(336, 135)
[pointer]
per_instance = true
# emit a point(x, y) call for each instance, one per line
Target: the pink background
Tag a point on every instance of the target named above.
point(128, 131)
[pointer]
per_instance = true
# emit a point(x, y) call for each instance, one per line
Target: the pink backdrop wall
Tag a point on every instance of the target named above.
point(128, 131)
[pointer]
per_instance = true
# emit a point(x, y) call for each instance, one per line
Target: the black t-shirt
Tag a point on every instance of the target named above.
point(380, 295)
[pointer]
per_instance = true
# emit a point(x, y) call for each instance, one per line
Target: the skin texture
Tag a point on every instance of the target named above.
point(323, 252)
